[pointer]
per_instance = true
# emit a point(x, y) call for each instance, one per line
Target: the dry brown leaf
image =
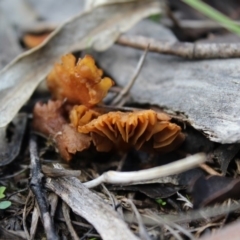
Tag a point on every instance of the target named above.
point(48, 119)
point(138, 129)
point(79, 83)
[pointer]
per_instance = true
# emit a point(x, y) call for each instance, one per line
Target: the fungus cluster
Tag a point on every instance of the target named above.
point(73, 122)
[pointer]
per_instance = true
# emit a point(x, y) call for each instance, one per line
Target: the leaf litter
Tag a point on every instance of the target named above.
point(160, 210)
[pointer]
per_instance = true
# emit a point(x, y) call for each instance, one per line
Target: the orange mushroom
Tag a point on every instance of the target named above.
point(132, 129)
point(79, 83)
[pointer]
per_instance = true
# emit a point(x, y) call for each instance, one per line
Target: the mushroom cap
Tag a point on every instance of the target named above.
point(79, 83)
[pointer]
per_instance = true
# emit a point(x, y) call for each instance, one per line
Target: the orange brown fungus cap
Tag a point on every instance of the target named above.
point(80, 83)
point(48, 119)
point(139, 129)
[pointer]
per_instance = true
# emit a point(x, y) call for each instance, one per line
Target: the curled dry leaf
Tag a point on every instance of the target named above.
point(140, 129)
point(48, 119)
point(80, 83)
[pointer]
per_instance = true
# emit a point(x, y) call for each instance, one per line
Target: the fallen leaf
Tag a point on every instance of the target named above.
point(205, 92)
point(9, 47)
point(208, 190)
point(20, 78)
point(224, 154)
point(10, 148)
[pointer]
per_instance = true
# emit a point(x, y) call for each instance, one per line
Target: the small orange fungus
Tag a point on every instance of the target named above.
point(138, 129)
point(79, 83)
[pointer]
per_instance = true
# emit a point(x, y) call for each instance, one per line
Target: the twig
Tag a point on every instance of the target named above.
point(209, 170)
point(65, 210)
point(54, 173)
point(170, 224)
point(17, 192)
point(37, 189)
point(14, 174)
point(83, 225)
point(34, 223)
point(25, 216)
point(185, 50)
point(114, 177)
point(118, 100)
point(142, 230)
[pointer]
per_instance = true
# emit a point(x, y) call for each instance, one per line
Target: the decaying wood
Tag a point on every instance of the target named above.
point(53, 172)
point(91, 207)
point(36, 187)
point(183, 49)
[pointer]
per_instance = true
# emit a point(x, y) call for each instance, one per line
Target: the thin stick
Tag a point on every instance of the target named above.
point(65, 210)
point(209, 170)
point(37, 189)
point(142, 229)
point(118, 100)
point(25, 216)
point(121, 178)
point(185, 50)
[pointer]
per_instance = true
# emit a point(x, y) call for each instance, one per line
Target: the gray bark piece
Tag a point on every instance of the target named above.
point(9, 47)
point(207, 92)
point(91, 207)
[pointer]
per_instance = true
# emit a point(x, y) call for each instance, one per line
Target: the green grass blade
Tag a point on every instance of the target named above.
point(214, 15)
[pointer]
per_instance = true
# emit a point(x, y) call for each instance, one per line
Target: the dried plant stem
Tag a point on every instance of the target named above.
point(118, 100)
point(166, 223)
point(65, 210)
point(185, 50)
point(121, 178)
point(209, 170)
point(142, 229)
point(25, 216)
point(37, 189)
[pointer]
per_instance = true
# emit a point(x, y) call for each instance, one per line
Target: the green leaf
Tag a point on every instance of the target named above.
point(2, 190)
point(160, 201)
point(214, 15)
point(5, 204)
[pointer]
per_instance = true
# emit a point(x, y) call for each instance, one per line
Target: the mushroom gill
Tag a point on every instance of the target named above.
point(133, 129)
